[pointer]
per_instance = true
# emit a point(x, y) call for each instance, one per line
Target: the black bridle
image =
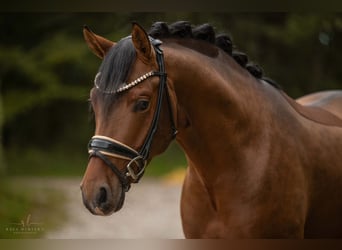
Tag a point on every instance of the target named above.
point(102, 147)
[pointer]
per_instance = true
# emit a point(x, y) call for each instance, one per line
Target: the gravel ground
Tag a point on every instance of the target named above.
point(151, 211)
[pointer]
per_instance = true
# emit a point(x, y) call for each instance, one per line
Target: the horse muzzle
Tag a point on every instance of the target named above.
point(102, 200)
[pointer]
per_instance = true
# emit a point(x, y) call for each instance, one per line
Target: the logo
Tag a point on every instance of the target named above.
point(25, 226)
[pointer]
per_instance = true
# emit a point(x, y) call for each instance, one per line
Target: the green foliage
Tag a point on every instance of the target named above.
point(2, 160)
point(290, 48)
point(42, 75)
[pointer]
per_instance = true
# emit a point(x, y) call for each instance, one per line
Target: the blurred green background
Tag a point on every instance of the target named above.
point(46, 72)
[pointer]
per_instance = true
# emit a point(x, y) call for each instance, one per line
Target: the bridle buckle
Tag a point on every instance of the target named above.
point(130, 171)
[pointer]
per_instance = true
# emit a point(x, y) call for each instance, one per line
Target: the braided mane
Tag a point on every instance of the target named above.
point(206, 32)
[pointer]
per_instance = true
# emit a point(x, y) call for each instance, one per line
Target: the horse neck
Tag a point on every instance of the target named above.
point(229, 111)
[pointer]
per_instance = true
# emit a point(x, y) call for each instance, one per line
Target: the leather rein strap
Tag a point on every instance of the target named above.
point(104, 147)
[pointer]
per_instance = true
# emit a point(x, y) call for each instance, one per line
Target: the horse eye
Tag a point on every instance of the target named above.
point(141, 105)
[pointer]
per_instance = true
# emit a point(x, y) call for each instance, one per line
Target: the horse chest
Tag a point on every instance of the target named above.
point(200, 217)
point(232, 217)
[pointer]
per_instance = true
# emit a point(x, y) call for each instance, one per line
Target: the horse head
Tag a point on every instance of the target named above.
point(135, 119)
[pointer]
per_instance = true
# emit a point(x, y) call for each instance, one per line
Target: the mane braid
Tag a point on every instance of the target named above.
point(205, 32)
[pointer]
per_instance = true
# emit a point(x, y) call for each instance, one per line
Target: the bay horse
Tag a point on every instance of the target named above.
point(260, 164)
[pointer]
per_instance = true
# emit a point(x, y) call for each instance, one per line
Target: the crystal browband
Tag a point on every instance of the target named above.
point(126, 86)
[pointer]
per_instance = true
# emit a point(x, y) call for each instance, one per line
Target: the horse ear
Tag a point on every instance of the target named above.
point(98, 45)
point(142, 44)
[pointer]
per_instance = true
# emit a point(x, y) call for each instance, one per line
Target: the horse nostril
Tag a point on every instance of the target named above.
point(101, 197)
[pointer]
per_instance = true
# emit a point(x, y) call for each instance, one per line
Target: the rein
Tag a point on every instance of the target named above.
point(104, 147)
